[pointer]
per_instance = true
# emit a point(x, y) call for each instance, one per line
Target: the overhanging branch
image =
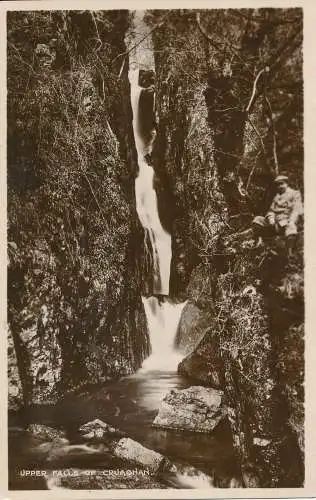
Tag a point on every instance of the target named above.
point(254, 88)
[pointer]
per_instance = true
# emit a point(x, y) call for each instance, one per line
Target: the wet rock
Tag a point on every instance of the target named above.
point(192, 326)
point(47, 443)
point(45, 433)
point(146, 78)
point(97, 429)
point(204, 369)
point(147, 116)
point(197, 409)
point(133, 451)
point(43, 441)
point(203, 364)
point(15, 394)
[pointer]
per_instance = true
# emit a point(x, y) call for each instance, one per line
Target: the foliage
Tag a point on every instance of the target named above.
point(228, 122)
point(69, 220)
point(250, 138)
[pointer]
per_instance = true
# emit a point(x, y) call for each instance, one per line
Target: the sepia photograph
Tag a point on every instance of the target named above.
point(155, 249)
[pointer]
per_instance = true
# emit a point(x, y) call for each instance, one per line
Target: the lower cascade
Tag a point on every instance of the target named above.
point(162, 314)
point(162, 319)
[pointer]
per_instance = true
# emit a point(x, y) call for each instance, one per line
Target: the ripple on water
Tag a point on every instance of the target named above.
point(131, 404)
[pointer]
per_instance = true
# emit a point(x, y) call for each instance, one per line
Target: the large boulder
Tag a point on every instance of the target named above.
point(128, 449)
point(197, 409)
point(192, 327)
point(204, 364)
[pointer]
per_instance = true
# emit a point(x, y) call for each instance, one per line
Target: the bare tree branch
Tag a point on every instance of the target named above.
point(97, 32)
point(122, 67)
point(251, 100)
point(254, 88)
point(275, 156)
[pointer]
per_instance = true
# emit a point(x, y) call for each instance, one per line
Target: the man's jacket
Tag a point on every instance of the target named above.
point(285, 209)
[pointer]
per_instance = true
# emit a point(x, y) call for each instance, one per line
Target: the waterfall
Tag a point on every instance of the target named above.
point(162, 314)
point(146, 200)
point(162, 319)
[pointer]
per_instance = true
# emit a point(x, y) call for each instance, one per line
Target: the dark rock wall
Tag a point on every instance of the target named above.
point(74, 304)
point(216, 160)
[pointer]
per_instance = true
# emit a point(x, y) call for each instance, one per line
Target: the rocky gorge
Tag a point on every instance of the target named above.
point(76, 265)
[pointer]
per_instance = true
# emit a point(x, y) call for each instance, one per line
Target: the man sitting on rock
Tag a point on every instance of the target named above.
point(283, 214)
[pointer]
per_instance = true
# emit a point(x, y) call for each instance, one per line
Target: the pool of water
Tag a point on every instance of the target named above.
point(131, 405)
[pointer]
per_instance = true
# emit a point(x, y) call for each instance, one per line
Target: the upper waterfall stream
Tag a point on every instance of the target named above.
point(162, 314)
point(146, 199)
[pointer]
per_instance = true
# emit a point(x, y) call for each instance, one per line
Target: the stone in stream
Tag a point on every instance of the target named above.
point(97, 429)
point(45, 433)
point(44, 440)
point(51, 444)
point(131, 450)
point(197, 409)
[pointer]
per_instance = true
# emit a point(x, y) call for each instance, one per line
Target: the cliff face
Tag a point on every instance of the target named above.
point(74, 306)
point(219, 150)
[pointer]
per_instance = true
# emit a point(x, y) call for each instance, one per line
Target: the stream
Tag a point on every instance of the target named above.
point(131, 404)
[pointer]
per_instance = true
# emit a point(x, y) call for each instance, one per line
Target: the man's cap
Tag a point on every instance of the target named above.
point(281, 178)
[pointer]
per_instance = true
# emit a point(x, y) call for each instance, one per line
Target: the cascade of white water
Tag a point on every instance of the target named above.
point(162, 315)
point(146, 199)
point(163, 320)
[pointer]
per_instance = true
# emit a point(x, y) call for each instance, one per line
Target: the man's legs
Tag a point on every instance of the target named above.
point(290, 232)
point(260, 228)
